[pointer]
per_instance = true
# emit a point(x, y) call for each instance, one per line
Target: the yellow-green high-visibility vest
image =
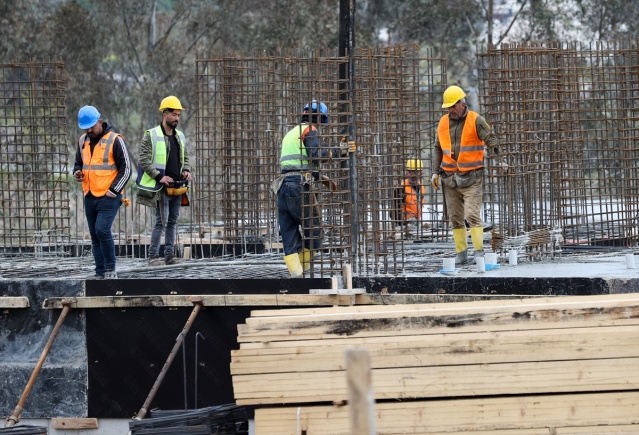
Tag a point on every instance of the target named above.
point(294, 156)
point(158, 158)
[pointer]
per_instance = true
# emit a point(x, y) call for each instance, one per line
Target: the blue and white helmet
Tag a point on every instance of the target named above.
point(315, 107)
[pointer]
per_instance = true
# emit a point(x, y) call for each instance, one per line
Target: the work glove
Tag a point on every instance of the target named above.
point(347, 146)
point(502, 166)
point(434, 181)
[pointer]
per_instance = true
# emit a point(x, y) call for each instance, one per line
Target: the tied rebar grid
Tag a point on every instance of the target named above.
point(565, 115)
point(34, 195)
point(246, 105)
point(395, 94)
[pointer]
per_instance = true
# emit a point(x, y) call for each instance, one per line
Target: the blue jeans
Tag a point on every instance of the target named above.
point(290, 198)
point(100, 213)
point(167, 211)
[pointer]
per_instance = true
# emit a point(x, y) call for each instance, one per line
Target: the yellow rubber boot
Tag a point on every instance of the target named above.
point(461, 246)
point(294, 265)
point(305, 258)
point(459, 235)
point(477, 236)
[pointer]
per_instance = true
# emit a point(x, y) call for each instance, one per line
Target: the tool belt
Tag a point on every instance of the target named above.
point(276, 184)
point(177, 188)
point(462, 179)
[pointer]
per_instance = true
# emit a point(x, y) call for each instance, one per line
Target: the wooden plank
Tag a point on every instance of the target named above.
point(620, 374)
point(390, 334)
point(476, 415)
point(74, 423)
point(626, 429)
point(368, 302)
point(403, 320)
point(469, 303)
point(14, 302)
point(442, 349)
point(338, 291)
point(172, 301)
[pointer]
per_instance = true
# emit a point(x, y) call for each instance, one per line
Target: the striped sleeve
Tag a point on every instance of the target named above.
point(123, 163)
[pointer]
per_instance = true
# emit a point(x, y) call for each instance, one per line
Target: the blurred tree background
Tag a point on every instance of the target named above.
point(124, 56)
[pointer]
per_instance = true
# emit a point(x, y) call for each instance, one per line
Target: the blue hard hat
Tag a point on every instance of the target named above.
point(87, 117)
point(315, 107)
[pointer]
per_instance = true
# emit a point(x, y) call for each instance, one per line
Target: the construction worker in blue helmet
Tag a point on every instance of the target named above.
point(302, 151)
point(463, 136)
point(103, 167)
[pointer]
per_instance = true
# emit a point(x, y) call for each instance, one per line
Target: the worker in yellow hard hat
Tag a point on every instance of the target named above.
point(163, 178)
point(458, 162)
point(408, 198)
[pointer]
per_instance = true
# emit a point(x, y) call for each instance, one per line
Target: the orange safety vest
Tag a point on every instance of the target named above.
point(412, 206)
point(471, 147)
point(99, 169)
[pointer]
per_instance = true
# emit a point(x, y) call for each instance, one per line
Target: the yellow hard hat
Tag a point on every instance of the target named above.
point(452, 94)
point(171, 102)
point(414, 165)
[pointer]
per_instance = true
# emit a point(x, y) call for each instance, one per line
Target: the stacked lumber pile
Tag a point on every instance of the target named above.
point(565, 365)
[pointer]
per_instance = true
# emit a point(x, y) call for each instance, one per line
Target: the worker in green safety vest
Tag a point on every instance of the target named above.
point(302, 150)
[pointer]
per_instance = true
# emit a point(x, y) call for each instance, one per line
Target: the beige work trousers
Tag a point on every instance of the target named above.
point(465, 203)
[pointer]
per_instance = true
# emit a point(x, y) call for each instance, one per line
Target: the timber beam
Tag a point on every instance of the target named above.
point(254, 300)
point(176, 301)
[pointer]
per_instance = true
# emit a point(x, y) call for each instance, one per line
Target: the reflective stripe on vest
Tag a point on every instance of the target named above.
point(158, 159)
point(294, 156)
point(412, 204)
point(99, 168)
point(471, 148)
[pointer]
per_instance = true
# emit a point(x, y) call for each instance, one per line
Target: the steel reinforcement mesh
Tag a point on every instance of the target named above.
point(567, 119)
point(246, 104)
point(565, 115)
point(34, 190)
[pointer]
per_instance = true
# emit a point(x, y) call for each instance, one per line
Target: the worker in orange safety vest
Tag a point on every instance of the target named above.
point(102, 165)
point(408, 198)
point(458, 161)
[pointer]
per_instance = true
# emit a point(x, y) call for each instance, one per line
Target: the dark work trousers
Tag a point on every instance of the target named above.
point(167, 212)
point(100, 213)
point(294, 210)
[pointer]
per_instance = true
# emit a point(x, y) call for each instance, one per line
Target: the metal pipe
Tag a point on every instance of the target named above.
point(178, 342)
point(346, 48)
point(15, 417)
point(351, 133)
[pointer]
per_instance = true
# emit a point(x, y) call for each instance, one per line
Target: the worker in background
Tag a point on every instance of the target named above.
point(102, 165)
point(458, 161)
point(302, 150)
point(163, 178)
point(408, 198)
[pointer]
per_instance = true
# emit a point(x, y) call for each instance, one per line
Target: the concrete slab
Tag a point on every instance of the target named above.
point(591, 266)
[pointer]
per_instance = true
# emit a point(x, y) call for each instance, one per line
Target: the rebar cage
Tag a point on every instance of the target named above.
point(565, 116)
point(246, 104)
